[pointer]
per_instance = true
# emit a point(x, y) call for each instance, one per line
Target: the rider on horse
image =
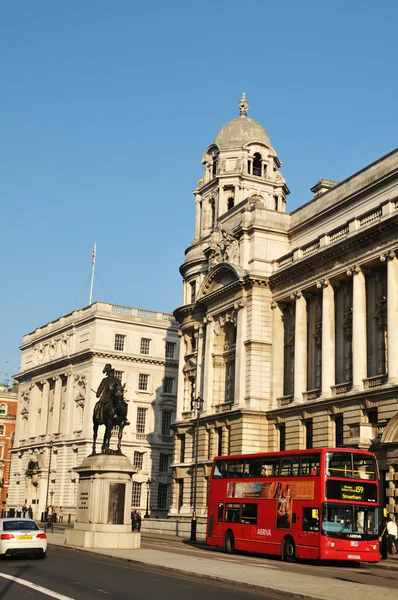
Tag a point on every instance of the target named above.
point(110, 391)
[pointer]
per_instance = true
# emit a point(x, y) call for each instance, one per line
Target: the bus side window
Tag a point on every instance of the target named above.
point(220, 514)
point(310, 519)
point(232, 513)
point(309, 465)
point(249, 513)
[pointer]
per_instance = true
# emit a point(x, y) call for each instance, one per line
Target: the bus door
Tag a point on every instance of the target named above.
point(308, 532)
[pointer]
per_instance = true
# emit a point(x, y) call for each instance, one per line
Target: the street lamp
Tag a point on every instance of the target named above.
point(50, 445)
point(196, 404)
point(148, 487)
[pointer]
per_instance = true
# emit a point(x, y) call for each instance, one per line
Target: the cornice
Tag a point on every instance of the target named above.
point(338, 249)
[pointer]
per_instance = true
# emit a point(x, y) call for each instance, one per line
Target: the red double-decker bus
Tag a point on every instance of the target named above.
point(311, 504)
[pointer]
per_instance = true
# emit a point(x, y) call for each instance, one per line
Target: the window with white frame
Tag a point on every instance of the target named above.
point(138, 460)
point(1, 451)
point(119, 341)
point(141, 420)
point(166, 421)
point(168, 385)
point(145, 345)
point(163, 463)
point(163, 489)
point(119, 375)
point(3, 409)
point(170, 349)
point(136, 494)
point(2, 430)
point(143, 381)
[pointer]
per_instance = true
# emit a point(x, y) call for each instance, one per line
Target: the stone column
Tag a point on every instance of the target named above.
point(300, 347)
point(359, 342)
point(328, 338)
point(208, 371)
point(33, 415)
point(44, 408)
point(199, 363)
point(277, 352)
point(198, 218)
point(181, 378)
point(56, 405)
point(240, 365)
point(392, 318)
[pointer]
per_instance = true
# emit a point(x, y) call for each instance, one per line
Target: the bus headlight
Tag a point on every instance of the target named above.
point(332, 544)
point(374, 546)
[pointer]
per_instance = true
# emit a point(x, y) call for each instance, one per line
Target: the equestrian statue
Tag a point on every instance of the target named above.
point(110, 410)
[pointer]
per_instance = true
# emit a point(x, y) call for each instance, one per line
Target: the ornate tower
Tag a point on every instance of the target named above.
point(226, 318)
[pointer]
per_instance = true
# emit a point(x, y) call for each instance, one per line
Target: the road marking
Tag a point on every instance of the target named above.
point(36, 587)
point(91, 587)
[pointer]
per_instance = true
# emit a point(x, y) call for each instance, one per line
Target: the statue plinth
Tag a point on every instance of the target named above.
point(103, 511)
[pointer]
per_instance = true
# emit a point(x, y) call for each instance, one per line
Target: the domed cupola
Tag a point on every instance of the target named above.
point(239, 165)
point(238, 132)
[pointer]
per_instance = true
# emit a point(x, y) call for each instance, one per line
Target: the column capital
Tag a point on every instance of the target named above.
point(296, 295)
point(353, 270)
point(322, 283)
point(390, 254)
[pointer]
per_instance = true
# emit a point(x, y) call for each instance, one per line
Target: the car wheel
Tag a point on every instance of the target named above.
point(42, 555)
point(288, 550)
point(229, 543)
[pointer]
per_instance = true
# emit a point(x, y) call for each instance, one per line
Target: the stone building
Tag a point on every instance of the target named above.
point(289, 321)
point(61, 368)
point(8, 411)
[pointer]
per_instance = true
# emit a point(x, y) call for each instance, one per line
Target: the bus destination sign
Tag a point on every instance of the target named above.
point(353, 492)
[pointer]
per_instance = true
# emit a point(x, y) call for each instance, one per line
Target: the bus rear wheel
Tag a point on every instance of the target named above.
point(288, 550)
point(229, 543)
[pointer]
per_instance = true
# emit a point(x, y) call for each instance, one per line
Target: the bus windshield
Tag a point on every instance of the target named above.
point(350, 465)
point(340, 520)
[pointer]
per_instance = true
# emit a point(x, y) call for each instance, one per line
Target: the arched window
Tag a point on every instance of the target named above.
point(3, 409)
point(213, 212)
point(230, 203)
point(214, 167)
point(257, 164)
point(2, 430)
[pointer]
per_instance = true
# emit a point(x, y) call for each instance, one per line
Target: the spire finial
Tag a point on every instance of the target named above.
point(243, 106)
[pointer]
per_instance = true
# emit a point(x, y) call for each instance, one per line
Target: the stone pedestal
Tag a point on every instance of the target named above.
point(103, 511)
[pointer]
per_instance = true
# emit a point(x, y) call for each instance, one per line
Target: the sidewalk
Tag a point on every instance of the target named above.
point(266, 576)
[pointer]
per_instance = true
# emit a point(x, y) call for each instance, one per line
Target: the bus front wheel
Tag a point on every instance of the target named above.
point(288, 550)
point(229, 543)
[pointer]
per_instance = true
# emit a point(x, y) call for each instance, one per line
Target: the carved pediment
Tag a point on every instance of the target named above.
point(219, 277)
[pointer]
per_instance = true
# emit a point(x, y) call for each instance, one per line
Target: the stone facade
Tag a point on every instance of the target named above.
point(8, 411)
point(61, 369)
point(289, 324)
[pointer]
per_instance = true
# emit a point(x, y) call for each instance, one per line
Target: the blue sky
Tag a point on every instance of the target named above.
point(106, 109)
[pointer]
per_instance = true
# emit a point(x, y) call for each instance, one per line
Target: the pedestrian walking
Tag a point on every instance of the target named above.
point(133, 521)
point(19, 511)
point(24, 511)
point(138, 519)
point(383, 538)
point(392, 532)
point(61, 514)
point(30, 511)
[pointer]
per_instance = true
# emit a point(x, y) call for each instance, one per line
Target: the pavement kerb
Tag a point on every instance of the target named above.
point(256, 587)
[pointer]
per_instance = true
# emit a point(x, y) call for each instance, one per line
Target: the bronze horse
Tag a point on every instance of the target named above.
point(110, 411)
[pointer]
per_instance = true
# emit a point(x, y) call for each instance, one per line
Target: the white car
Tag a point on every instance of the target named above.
point(22, 536)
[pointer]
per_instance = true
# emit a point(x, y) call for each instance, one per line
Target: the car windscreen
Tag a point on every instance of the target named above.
point(23, 524)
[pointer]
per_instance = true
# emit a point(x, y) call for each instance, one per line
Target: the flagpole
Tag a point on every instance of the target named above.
point(92, 271)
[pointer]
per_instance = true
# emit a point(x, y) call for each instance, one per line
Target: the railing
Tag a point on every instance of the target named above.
point(284, 400)
point(285, 260)
point(337, 234)
point(310, 248)
point(341, 388)
point(376, 381)
point(311, 394)
point(123, 310)
point(369, 217)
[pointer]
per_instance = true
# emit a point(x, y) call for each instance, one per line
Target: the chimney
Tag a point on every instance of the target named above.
point(322, 186)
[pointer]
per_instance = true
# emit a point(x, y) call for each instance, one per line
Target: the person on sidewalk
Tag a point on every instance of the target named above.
point(392, 532)
point(383, 538)
point(61, 514)
point(30, 512)
point(138, 519)
point(133, 521)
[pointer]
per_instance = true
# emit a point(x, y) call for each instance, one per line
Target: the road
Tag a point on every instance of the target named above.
point(73, 574)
